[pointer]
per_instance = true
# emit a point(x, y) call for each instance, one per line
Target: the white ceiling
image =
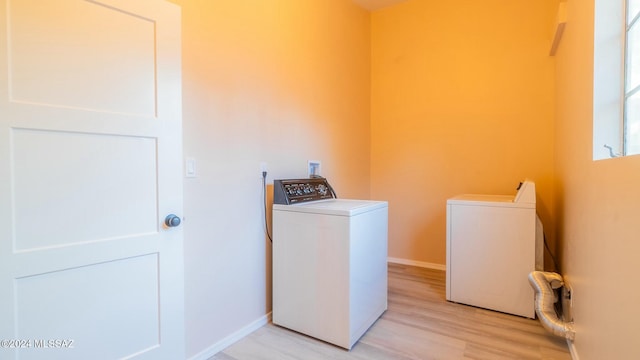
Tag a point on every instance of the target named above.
point(376, 4)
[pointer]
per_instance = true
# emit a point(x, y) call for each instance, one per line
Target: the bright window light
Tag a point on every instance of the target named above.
point(616, 79)
point(632, 80)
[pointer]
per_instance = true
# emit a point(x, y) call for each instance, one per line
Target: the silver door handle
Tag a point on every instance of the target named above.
point(172, 220)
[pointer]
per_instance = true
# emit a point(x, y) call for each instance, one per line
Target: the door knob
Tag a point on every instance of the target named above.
point(172, 220)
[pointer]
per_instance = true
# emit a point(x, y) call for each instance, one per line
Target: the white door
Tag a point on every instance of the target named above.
point(90, 166)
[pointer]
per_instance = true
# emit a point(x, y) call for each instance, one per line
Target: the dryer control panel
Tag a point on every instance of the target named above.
point(293, 191)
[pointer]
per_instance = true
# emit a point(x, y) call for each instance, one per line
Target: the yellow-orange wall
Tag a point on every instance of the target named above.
point(598, 208)
point(281, 81)
point(462, 102)
point(275, 81)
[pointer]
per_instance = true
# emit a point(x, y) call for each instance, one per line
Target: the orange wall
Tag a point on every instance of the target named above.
point(275, 81)
point(598, 208)
point(462, 102)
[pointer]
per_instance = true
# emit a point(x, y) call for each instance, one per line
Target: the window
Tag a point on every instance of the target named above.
point(616, 90)
point(631, 141)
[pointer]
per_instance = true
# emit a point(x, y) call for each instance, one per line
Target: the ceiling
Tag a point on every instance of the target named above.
point(376, 4)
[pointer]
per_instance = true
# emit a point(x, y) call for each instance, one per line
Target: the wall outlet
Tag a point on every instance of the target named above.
point(567, 296)
point(313, 167)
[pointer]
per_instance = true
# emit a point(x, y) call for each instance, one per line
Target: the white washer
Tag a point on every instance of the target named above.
point(330, 267)
point(493, 243)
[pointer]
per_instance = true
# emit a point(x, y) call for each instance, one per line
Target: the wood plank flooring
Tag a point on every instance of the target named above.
point(419, 324)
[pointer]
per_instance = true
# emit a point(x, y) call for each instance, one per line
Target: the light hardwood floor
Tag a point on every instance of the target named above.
point(419, 324)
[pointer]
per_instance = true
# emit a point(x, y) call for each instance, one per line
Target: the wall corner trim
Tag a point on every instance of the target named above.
point(572, 350)
point(559, 25)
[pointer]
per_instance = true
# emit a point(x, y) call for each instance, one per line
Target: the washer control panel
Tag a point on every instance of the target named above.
point(293, 191)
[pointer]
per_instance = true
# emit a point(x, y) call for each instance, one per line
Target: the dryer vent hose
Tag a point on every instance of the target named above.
point(544, 284)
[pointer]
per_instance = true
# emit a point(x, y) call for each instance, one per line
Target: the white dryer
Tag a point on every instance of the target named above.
point(329, 261)
point(493, 243)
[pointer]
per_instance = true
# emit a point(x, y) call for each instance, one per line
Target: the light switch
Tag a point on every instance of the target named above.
point(190, 167)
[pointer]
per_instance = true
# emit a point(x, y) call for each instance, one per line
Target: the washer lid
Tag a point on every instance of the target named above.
point(488, 200)
point(340, 207)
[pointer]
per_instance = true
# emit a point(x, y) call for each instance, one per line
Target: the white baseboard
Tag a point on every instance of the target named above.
point(229, 340)
point(421, 264)
point(572, 350)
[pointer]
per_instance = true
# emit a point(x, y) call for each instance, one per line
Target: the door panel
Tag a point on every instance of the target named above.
point(90, 164)
point(100, 294)
point(114, 204)
point(98, 36)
